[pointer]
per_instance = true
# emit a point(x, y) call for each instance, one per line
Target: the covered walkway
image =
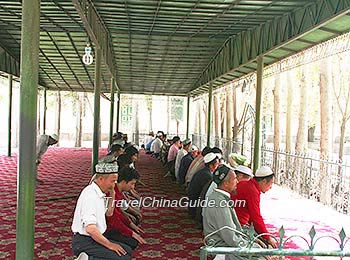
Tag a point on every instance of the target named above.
point(170, 233)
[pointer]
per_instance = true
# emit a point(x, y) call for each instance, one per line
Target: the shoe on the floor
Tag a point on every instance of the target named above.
point(82, 256)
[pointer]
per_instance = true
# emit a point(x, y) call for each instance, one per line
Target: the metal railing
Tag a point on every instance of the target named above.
point(313, 178)
point(227, 145)
point(246, 246)
point(322, 180)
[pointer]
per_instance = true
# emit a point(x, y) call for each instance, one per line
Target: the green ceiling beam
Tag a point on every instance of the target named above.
point(8, 64)
point(246, 46)
point(97, 31)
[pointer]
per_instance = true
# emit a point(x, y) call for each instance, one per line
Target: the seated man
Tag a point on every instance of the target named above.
point(219, 215)
point(173, 150)
point(133, 152)
point(89, 221)
point(147, 139)
point(115, 151)
point(186, 145)
point(43, 143)
point(196, 165)
point(200, 180)
point(186, 162)
point(249, 191)
point(243, 173)
point(119, 227)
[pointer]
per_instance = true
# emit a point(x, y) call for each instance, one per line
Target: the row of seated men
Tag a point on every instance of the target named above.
point(208, 178)
point(107, 215)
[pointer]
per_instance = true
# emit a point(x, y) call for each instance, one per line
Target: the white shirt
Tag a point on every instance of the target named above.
point(41, 146)
point(156, 145)
point(182, 152)
point(147, 139)
point(90, 209)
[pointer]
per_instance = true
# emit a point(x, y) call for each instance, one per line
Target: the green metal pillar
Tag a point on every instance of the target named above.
point(9, 126)
point(97, 93)
point(44, 112)
point(111, 112)
point(118, 112)
point(210, 103)
point(259, 89)
point(27, 129)
point(188, 116)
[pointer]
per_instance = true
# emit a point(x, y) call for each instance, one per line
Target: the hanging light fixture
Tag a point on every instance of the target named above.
point(87, 57)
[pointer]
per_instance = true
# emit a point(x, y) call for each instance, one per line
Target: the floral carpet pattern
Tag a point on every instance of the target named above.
point(169, 232)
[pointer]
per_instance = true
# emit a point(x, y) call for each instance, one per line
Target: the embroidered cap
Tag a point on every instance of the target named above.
point(220, 173)
point(106, 168)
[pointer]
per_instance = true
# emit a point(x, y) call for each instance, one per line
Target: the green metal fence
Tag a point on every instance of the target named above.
point(246, 248)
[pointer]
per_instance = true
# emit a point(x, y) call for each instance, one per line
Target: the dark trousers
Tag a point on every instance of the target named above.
point(96, 251)
point(116, 236)
point(171, 168)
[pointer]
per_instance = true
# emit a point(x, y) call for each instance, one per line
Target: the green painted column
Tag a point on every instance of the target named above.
point(27, 129)
point(118, 112)
point(259, 89)
point(210, 104)
point(9, 126)
point(188, 116)
point(111, 112)
point(44, 113)
point(97, 93)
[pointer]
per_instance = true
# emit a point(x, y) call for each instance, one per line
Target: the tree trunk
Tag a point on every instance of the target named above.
point(205, 113)
point(228, 117)
point(216, 132)
point(229, 113)
point(136, 120)
point(289, 113)
point(224, 115)
point(149, 100)
point(235, 128)
point(276, 112)
point(301, 143)
point(58, 114)
point(325, 192)
point(79, 120)
point(177, 127)
point(168, 115)
point(342, 139)
point(199, 114)
point(195, 125)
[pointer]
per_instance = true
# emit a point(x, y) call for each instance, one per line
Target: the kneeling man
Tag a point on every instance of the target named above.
point(221, 214)
point(89, 221)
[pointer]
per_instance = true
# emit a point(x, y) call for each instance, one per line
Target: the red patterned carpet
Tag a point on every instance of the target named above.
point(170, 233)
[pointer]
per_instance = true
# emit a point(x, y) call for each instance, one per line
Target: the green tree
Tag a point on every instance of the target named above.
point(177, 111)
